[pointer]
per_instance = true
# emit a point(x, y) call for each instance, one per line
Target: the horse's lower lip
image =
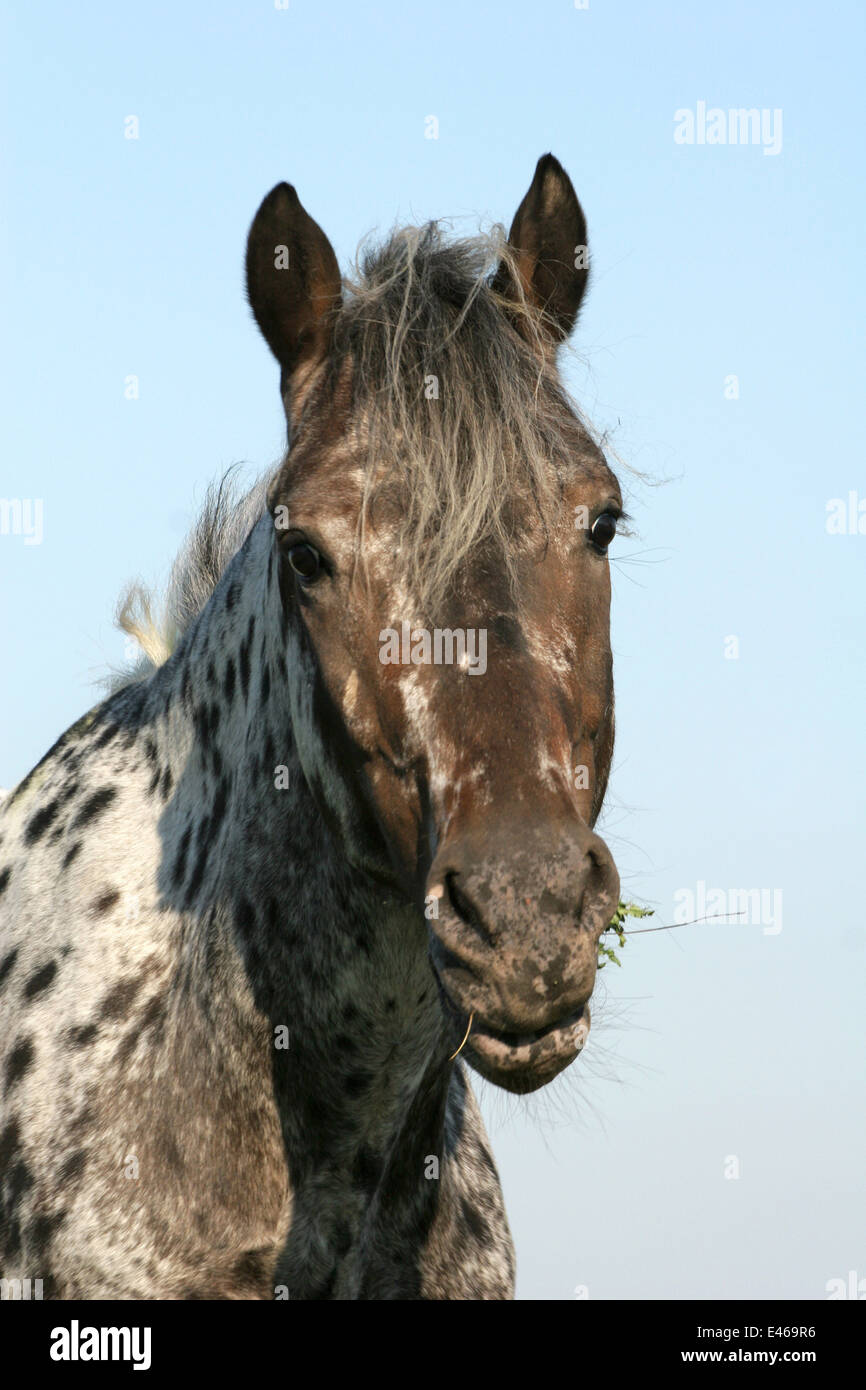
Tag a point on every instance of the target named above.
point(534, 1057)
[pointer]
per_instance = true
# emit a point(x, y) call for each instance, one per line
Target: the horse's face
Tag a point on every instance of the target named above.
point(465, 760)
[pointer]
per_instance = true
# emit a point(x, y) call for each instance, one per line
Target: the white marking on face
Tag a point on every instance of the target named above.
point(416, 704)
point(552, 772)
point(350, 694)
point(554, 652)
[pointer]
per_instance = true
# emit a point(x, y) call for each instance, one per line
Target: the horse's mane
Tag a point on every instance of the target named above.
point(457, 395)
point(157, 623)
point(427, 314)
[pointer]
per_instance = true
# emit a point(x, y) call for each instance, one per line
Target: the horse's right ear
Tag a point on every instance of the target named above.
point(293, 280)
point(548, 244)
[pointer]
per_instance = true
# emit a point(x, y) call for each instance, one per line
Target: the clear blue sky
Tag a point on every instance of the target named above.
point(124, 257)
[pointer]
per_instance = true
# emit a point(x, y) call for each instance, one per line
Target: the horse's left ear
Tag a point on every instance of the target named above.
point(548, 235)
point(293, 280)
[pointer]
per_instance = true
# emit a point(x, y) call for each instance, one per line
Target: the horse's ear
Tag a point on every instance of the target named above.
point(293, 280)
point(548, 237)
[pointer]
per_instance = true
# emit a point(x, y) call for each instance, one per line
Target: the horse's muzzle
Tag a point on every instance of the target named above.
point(515, 944)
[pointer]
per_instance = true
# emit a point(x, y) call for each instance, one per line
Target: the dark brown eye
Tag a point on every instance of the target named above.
point(604, 530)
point(306, 561)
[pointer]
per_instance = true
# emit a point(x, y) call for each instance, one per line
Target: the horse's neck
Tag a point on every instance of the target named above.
point(275, 922)
point(239, 817)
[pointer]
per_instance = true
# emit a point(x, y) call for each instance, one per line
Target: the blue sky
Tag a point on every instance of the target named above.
point(124, 257)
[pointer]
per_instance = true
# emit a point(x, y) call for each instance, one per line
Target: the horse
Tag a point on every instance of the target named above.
point(313, 857)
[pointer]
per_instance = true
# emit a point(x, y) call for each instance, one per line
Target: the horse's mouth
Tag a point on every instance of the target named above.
point(522, 1062)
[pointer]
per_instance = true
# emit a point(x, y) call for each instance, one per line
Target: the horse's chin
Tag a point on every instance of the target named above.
point(525, 1063)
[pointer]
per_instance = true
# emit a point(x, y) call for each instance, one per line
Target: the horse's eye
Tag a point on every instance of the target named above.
point(604, 530)
point(306, 561)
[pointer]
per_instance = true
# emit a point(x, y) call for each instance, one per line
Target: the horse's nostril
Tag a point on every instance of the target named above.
point(462, 904)
point(600, 889)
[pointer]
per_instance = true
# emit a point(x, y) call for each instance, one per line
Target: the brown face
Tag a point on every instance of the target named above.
point(478, 743)
point(486, 775)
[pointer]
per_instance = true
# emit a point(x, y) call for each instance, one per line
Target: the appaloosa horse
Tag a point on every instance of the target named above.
point(253, 903)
